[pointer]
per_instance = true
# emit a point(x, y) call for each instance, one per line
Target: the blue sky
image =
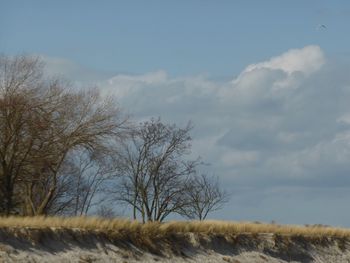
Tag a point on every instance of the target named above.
point(267, 89)
point(181, 37)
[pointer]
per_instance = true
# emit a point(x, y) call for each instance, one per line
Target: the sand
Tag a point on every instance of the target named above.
point(74, 245)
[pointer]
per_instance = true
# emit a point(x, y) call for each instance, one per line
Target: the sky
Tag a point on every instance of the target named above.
point(266, 86)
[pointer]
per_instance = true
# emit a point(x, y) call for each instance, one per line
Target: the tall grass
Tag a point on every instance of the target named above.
point(162, 229)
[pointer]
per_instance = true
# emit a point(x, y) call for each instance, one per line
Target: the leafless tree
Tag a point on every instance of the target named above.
point(41, 122)
point(153, 170)
point(204, 195)
point(20, 83)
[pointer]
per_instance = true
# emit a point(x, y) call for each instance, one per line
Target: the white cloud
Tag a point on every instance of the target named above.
point(123, 85)
point(306, 60)
point(273, 114)
point(270, 79)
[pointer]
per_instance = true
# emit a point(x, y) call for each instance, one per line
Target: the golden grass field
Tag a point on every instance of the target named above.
point(162, 229)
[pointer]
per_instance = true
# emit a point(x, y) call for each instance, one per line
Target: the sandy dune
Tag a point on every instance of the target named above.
point(75, 245)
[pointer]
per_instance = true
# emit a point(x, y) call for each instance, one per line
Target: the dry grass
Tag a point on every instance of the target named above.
point(151, 230)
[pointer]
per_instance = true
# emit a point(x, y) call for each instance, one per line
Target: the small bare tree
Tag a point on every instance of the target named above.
point(203, 196)
point(153, 170)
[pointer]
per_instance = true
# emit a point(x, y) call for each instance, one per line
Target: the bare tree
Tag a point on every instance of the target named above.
point(20, 84)
point(153, 170)
point(41, 122)
point(82, 122)
point(203, 196)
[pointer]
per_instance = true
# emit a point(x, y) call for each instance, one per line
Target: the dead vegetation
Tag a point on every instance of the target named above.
point(159, 230)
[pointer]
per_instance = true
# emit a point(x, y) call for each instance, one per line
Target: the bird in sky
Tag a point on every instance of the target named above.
point(321, 27)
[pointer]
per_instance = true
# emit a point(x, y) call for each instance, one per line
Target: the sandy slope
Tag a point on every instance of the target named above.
point(62, 245)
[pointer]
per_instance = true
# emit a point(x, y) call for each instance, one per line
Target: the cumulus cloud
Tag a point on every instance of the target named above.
point(306, 60)
point(283, 122)
point(273, 111)
point(270, 80)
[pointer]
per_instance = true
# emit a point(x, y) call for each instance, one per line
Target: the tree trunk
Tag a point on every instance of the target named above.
point(41, 210)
